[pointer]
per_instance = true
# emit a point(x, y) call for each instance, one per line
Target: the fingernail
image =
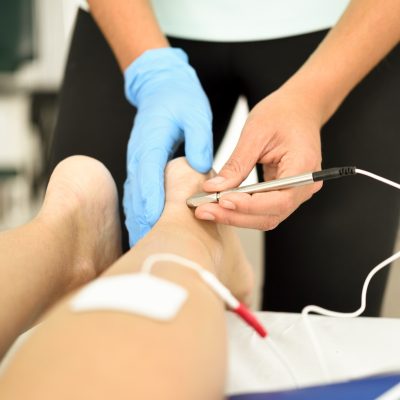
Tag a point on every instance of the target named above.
point(227, 204)
point(207, 216)
point(217, 180)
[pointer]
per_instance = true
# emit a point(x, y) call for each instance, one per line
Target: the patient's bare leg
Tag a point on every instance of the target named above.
point(104, 355)
point(75, 237)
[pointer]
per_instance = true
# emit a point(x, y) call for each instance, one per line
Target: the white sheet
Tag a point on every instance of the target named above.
point(352, 348)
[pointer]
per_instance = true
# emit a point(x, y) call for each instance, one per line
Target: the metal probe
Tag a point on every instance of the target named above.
point(282, 183)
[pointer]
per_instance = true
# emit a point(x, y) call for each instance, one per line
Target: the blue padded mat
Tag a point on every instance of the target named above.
point(361, 389)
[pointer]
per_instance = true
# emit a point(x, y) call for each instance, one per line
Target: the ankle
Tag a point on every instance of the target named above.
point(57, 232)
point(65, 229)
point(200, 240)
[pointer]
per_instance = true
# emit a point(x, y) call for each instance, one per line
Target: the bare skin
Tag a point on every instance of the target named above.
point(75, 237)
point(129, 26)
point(282, 131)
point(115, 355)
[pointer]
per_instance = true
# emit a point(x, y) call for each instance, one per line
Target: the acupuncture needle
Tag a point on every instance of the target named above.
point(276, 184)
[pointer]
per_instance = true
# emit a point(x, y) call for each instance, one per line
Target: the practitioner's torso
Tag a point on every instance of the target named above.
point(245, 20)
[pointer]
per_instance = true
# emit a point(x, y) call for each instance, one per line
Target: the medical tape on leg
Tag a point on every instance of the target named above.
point(141, 294)
point(153, 297)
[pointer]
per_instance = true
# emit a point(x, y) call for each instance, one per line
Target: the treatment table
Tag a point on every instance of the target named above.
point(351, 348)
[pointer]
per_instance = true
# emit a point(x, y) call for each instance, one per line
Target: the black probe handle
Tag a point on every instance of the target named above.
point(333, 173)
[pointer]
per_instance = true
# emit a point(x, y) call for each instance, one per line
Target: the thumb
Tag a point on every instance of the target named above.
point(236, 169)
point(199, 144)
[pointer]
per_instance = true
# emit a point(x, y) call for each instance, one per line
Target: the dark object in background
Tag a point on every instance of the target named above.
point(44, 108)
point(16, 33)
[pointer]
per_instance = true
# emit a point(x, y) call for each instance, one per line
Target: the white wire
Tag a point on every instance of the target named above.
point(323, 311)
point(169, 257)
point(328, 313)
point(378, 178)
point(207, 277)
point(357, 313)
point(217, 287)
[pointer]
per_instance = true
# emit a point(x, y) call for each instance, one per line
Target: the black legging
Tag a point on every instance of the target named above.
point(322, 253)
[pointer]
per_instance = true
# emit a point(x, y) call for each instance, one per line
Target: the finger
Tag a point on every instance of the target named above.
point(236, 169)
point(199, 143)
point(292, 166)
point(144, 197)
point(137, 227)
point(278, 202)
point(297, 162)
point(128, 210)
point(146, 162)
point(275, 202)
point(150, 184)
point(213, 212)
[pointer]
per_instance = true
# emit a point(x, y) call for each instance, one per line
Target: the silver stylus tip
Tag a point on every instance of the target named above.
point(201, 198)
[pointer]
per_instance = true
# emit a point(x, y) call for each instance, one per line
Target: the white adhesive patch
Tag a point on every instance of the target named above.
point(140, 294)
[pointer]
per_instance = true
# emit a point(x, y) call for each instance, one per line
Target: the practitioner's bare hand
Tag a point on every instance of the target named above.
point(283, 133)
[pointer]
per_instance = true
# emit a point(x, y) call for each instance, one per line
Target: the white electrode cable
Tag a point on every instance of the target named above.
point(213, 283)
point(378, 178)
point(232, 302)
point(205, 275)
point(210, 279)
point(328, 313)
point(169, 257)
point(322, 311)
point(224, 293)
point(359, 311)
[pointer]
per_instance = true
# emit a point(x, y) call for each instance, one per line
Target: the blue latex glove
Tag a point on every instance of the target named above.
point(172, 107)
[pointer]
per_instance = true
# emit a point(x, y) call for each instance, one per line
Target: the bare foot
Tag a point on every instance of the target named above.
point(82, 197)
point(232, 267)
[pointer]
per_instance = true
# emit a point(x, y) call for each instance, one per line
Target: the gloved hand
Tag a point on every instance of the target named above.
point(172, 107)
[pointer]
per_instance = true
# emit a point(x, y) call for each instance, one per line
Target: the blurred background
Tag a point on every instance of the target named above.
point(34, 38)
